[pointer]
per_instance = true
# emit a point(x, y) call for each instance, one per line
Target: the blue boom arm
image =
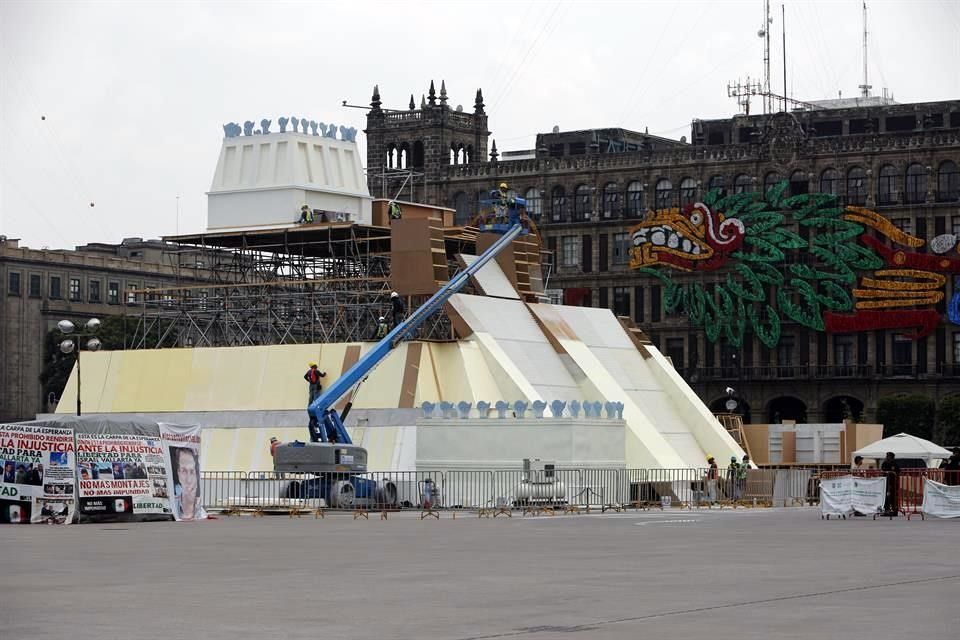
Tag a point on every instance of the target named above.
point(321, 408)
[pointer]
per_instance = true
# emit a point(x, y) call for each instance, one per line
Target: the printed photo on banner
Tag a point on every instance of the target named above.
point(113, 476)
point(182, 444)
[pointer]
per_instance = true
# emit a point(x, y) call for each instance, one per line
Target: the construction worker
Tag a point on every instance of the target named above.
point(711, 478)
point(742, 472)
point(394, 209)
point(398, 308)
point(382, 329)
point(733, 470)
point(274, 443)
point(312, 376)
point(306, 214)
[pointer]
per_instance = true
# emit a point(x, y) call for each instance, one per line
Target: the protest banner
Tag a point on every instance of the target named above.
point(181, 445)
point(38, 474)
point(836, 496)
point(867, 495)
point(941, 500)
point(121, 474)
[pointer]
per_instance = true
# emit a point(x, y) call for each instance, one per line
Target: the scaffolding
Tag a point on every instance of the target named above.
point(314, 283)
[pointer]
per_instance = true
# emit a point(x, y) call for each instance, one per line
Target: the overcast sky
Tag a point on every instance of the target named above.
point(134, 93)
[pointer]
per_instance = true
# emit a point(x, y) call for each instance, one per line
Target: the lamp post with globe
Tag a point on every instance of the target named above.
point(71, 343)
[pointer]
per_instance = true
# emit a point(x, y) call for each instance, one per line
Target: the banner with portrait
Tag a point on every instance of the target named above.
point(38, 474)
point(181, 446)
point(121, 473)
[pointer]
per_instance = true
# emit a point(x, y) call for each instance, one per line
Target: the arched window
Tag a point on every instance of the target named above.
point(468, 154)
point(404, 156)
point(799, 184)
point(828, 181)
point(461, 202)
point(948, 182)
point(634, 199)
point(611, 200)
point(557, 203)
point(743, 184)
point(461, 154)
point(664, 193)
point(887, 185)
point(770, 181)
point(534, 206)
point(418, 154)
point(688, 191)
point(857, 186)
point(719, 184)
point(582, 205)
point(391, 155)
point(916, 188)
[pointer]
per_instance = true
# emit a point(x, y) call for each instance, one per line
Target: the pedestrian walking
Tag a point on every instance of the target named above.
point(712, 473)
point(892, 470)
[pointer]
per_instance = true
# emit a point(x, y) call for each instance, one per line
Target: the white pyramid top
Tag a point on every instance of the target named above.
point(265, 179)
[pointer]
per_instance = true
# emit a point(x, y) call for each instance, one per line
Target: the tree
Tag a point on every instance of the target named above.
point(904, 413)
point(948, 420)
point(113, 332)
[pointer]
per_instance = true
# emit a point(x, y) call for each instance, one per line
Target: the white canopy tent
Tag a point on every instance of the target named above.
point(904, 445)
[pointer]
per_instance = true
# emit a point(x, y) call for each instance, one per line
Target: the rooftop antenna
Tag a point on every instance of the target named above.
point(764, 33)
point(783, 21)
point(866, 86)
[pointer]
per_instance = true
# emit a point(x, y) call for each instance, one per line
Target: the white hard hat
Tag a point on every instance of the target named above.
point(394, 294)
point(381, 319)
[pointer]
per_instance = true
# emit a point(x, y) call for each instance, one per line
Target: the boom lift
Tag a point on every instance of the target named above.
point(331, 455)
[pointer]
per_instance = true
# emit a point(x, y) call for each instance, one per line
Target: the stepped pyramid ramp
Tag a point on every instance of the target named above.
point(643, 379)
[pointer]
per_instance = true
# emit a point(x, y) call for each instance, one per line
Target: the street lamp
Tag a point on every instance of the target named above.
point(68, 346)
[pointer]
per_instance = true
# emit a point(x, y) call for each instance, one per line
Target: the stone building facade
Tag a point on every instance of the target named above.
point(589, 189)
point(41, 287)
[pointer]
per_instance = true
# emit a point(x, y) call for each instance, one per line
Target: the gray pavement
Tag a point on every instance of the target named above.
point(707, 574)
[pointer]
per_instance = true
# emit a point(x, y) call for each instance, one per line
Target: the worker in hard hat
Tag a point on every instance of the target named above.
point(713, 472)
point(398, 308)
point(732, 470)
point(306, 214)
point(505, 201)
point(394, 209)
point(274, 443)
point(312, 376)
point(382, 329)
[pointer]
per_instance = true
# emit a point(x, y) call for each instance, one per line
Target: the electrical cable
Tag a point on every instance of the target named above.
point(504, 91)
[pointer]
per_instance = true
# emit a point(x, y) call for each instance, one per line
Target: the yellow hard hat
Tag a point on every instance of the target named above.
point(503, 185)
point(313, 364)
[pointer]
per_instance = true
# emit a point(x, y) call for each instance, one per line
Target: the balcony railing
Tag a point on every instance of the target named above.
point(820, 372)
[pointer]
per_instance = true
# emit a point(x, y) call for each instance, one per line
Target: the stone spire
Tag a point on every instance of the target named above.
point(478, 104)
point(493, 152)
point(432, 96)
point(423, 101)
point(413, 105)
point(443, 93)
point(375, 100)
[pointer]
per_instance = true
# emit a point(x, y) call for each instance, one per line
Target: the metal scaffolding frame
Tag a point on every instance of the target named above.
point(307, 284)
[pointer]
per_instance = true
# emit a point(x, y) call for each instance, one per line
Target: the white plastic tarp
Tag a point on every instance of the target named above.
point(846, 494)
point(941, 500)
point(835, 496)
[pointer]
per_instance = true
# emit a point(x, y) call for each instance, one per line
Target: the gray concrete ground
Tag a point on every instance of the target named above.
point(708, 574)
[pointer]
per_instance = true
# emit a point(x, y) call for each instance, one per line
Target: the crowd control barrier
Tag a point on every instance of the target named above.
point(507, 491)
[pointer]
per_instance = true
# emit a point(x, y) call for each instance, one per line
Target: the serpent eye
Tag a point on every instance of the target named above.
point(696, 217)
